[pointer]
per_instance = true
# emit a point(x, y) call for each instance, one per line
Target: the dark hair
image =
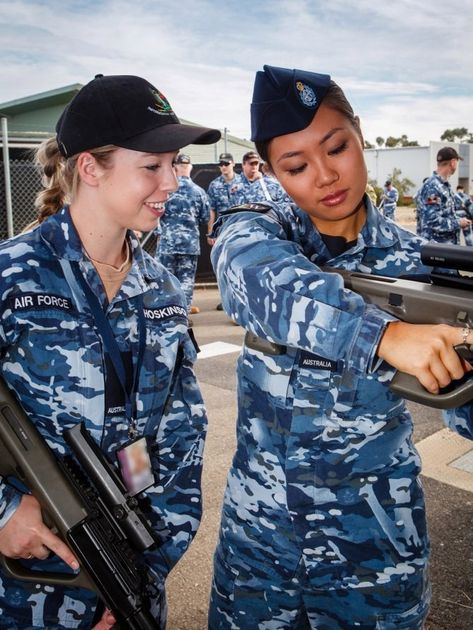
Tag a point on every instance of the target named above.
point(334, 99)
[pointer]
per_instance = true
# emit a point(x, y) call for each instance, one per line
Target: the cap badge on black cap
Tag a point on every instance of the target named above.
point(306, 94)
point(161, 102)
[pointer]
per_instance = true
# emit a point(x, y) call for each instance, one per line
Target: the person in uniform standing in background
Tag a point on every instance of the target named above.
point(389, 200)
point(221, 192)
point(258, 186)
point(323, 520)
point(179, 241)
point(436, 218)
point(464, 209)
point(113, 349)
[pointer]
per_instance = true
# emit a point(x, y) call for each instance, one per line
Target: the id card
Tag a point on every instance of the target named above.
point(135, 466)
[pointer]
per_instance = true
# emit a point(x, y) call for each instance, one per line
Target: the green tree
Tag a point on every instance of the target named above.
point(391, 141)
point(403, 184)
point(368, 145)
point(459, 133)
point(379, 141)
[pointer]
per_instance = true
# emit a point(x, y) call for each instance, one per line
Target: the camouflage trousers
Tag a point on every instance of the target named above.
point(184, 267)
point(267, 598)
point(389, 211)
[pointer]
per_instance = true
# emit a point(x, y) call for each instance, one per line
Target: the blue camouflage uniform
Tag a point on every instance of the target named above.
point(52, 358)
point(390, 199)
point(436, 218)
point(263, 189)
point(464, 209)
point(224, 194)
point(323, 521)
point(179, 243)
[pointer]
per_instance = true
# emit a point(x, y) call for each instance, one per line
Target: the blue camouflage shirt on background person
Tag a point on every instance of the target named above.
point(464, 208)
point(323, 495)
point(390, 199)
point(52, 356)
point(222, 194)
point(179, 236)
point(264, 188)
point(436, 218)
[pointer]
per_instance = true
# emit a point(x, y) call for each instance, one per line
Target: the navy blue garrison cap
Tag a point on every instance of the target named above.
point(285, 101)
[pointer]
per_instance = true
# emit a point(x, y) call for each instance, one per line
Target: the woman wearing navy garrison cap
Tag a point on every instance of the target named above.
point(323, 523)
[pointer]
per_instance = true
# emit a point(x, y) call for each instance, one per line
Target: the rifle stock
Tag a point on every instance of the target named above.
point(88, 506)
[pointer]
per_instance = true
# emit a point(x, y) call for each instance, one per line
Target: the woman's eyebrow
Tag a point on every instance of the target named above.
point(328, 135)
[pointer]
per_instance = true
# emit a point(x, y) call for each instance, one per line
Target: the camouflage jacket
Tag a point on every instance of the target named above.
point(325, 467)
point(52, 358)
point(436, 211)
point(263, 189)
point(179, 225)
point(222, 195)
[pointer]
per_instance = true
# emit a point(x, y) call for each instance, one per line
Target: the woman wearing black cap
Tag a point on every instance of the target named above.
point(323, 522)
point(94, 330)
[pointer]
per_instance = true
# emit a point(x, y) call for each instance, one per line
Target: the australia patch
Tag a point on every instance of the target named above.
point(28, 301)
point(165, 312)
point(311, 361)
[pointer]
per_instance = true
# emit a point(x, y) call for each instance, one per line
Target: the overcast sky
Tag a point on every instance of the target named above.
point(406, 66)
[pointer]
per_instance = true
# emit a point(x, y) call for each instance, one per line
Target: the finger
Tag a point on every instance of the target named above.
point(56, 545)
point(453, 363)
point(428, 381)
point(41, 552)
point(441, 374)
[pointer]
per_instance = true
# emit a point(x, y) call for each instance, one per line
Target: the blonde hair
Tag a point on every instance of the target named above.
point(60, 177)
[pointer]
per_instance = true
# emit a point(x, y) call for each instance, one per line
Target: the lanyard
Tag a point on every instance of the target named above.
point(111, 346)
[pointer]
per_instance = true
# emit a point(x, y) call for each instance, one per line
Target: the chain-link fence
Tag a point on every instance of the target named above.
point(25, 182)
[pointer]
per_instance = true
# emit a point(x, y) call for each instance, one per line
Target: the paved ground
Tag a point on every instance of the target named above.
point(448, 481)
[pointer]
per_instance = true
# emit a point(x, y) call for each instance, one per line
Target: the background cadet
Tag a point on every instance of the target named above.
point(114, 350)
point(221, 192)
point(435, 203)
point(179, 243)
point(258, 186)
point(323, 522)
point(464, 209)
point(389, 200)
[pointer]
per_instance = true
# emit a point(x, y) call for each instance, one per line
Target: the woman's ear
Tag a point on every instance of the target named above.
point(89, 169)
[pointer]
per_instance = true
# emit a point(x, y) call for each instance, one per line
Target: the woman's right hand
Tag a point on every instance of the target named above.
point(424, 351)
point(26, 536)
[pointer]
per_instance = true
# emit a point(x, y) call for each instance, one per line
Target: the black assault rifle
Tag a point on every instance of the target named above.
point(446, 298)
point(85, 501)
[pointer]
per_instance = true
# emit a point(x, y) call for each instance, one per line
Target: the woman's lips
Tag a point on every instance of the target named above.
point(336, 198)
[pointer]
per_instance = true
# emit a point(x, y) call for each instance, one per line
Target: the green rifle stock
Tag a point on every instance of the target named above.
point(86, 503)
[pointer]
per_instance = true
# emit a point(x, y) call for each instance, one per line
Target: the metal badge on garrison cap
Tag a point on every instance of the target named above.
point(285, 101)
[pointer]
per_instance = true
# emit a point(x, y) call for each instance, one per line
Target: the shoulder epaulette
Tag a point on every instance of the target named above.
point(247, 207)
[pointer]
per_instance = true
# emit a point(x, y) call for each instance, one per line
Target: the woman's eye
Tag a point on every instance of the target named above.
point(339, 149)
point(152, 167)
point(297, 170)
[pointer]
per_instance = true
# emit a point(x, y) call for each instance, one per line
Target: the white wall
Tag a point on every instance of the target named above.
point(415, 163)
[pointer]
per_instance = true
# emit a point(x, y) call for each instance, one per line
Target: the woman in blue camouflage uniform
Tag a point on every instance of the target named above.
point(323, 523)
point(108, 172)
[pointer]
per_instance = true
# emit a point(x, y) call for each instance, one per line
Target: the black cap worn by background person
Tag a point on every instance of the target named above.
point(225, 157)
point(183, 159)
point(285, 101)
point(250, 155)
point(128, 112)
point(447, 153)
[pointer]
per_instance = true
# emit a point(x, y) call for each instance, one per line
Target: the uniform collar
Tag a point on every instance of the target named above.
point(60, 235)
point(376, 232)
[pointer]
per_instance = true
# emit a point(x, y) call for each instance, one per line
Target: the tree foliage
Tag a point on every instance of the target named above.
point(458, 134)
point(403, 184)
point(392, 141)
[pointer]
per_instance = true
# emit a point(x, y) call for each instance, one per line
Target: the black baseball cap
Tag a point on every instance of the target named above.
point(447, 153)
point(126, 111)
point(183, 159)
point(250, 155)
point(225, 157)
